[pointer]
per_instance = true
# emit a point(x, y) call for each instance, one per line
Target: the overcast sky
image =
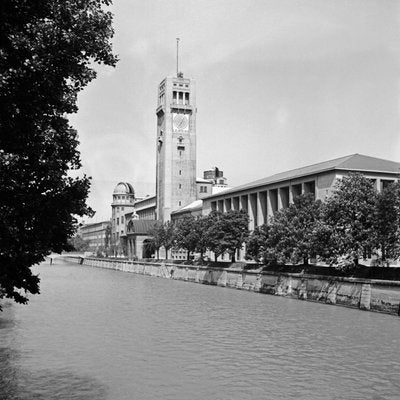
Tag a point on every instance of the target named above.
point(280, 85)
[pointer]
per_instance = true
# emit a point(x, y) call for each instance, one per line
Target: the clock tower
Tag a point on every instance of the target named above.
point(176, 145)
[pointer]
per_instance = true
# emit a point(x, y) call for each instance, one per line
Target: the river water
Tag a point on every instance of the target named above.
point(101, 334)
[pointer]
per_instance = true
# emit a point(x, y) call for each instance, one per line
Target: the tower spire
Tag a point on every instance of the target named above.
point(178, 74)
point(177, 56)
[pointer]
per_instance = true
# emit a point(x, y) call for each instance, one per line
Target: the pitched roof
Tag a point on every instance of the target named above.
point(353, 162)
point(141, 226)
point(195, 205)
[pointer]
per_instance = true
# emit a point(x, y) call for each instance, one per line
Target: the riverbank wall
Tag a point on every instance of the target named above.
point(365, 294)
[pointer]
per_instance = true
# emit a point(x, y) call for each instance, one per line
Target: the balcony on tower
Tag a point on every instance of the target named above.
point(181, 99)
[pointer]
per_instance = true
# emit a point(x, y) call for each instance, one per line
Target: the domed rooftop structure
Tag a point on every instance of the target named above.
point(124, 188)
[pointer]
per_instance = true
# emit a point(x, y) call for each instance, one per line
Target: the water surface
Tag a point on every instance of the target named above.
point(108, 335)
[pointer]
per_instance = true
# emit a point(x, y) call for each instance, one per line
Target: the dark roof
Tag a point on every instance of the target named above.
point(141, 226)
point(353, 162)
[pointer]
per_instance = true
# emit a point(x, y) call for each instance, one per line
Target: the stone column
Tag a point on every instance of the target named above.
point(270, 212)
point(280, 205)
point(252, 211)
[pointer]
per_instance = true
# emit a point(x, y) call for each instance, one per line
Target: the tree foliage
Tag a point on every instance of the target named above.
point(356, 218)
point(187, 234)
point(47, 48)
point(168, 236)
point(227, 232)
point(107, 238)
point(256, 246)
point(349, 214)
point(78, 243)
point(157, 233)
point(293, 232)
point(386, 223)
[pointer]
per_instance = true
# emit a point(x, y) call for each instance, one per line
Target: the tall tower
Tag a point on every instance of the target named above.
point(176, 145)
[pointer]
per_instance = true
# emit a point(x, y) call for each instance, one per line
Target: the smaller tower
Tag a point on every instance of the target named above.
point(123, 202)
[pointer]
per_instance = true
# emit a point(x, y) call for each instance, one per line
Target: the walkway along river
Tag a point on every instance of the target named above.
point(100, 334)
point(366, 294)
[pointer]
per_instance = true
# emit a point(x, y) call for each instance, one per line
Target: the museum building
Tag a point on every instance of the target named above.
point(179, 193)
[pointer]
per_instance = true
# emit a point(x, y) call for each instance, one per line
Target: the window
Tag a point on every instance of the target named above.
point(117, 221)
point(122, 208)
point(205, 189)
point(180, 186)
point(180, 172)
point(201, 189)
point(122, 219)
point(180, 203)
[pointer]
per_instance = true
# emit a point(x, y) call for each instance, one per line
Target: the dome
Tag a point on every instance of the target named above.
point(124, 188)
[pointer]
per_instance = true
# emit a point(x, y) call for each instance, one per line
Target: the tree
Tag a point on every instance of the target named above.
point(257, 242)
point(168, 237)
point(386, 222)
point(107, 239)
point(78, 243)
point(186, 234)
point(227, 232)
point(201, 226)
point(349, 214)
point(47, 50)
point(157, 237)
point(215, 233)
point(292, 235)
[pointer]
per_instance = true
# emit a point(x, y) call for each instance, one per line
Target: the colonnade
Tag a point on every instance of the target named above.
point(263, 204)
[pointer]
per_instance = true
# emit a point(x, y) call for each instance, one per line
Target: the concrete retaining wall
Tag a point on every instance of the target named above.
point(365, 294)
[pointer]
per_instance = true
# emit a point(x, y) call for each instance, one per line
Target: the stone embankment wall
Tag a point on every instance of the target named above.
point(365, 294)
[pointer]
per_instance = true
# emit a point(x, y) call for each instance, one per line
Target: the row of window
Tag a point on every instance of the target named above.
point(122, 197)
point(181, 85)
point(180, 98)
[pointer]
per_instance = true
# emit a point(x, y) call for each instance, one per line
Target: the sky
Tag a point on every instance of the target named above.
point(280, 85)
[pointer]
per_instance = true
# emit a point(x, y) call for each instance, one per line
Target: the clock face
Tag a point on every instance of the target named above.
point(180, 122)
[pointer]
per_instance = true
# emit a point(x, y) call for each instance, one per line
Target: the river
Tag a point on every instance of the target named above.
point(102, 334)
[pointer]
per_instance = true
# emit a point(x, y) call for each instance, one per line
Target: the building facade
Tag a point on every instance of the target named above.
point(95, 234)
point(179, 193)
point(262, 198)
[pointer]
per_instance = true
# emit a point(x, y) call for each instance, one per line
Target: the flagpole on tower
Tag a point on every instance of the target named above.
point(177, 57)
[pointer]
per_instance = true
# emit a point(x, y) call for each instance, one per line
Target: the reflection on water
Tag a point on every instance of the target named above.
point(100, 334)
